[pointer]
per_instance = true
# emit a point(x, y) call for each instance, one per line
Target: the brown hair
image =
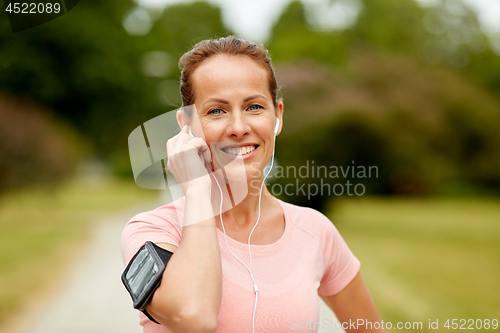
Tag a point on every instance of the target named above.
point(230, 45)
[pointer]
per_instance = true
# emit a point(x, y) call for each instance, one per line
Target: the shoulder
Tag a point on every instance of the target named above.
point(161, 225)
point(311, 222)
point(340, 264)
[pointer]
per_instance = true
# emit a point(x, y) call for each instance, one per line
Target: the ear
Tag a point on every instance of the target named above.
point(279, 114)
point(182, 119)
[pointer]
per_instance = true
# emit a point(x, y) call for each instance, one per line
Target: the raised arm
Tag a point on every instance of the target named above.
point(353, 304)
point(189, 297)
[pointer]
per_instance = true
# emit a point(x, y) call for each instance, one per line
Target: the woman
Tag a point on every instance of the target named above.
point(215, 281)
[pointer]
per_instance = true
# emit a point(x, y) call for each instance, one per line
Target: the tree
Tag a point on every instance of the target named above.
point(87, 69)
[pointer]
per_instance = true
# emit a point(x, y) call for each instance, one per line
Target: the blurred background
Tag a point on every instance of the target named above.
point(411, 87)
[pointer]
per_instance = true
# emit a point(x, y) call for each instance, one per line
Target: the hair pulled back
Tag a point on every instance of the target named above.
point(230, 45)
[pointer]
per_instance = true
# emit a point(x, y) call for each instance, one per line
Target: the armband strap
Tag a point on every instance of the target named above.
point(144, 273)
point(165, 257)
point(149, 316)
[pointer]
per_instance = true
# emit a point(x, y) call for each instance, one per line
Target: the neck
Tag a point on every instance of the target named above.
point(241, 202)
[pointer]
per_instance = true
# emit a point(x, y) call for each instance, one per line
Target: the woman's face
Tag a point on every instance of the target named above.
point(236, 110)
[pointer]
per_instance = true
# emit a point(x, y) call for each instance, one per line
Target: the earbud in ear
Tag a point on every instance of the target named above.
point(190, 133)
point(277, 126)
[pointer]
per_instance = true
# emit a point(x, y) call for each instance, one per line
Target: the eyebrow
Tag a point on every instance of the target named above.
point(213, 99)
point(254, 97)
point(223, 101)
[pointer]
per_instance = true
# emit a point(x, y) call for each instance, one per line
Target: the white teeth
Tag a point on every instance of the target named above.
point(237, 151)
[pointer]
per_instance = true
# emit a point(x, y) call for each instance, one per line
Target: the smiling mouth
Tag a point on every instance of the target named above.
point(240, 151)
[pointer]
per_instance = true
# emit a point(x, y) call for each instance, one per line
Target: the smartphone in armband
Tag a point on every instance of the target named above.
point(143, 274)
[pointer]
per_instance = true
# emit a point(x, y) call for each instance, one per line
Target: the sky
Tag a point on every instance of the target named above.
point(253, 19)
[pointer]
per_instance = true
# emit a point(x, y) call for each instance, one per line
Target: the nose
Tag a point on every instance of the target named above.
point(238, 125)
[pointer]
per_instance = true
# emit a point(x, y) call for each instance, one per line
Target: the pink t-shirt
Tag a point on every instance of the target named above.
point(310, 258)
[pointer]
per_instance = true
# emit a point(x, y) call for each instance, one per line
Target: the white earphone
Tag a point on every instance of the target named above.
point(255, 288)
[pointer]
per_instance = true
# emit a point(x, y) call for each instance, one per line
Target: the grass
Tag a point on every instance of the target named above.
point(426, 259)
point(41, 231)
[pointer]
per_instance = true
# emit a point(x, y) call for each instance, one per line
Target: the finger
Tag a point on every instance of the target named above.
point(199, 144)
point(169, 144)
point(207, 155)
point(203, 149)
point(182, 138)
point(212, 166)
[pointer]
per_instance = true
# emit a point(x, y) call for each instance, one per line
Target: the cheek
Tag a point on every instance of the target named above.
point(210, 129)
point(267, 134)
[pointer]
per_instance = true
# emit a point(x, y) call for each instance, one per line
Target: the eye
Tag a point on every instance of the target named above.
point(254, 107)
point(215, 111)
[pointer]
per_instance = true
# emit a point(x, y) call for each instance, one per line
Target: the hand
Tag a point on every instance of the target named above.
point(189, 159)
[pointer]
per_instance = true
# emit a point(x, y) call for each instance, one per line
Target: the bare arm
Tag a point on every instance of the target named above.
point(354, 303)
point(189, 297)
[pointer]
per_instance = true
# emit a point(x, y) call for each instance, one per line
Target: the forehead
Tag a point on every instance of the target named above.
point(227, 76)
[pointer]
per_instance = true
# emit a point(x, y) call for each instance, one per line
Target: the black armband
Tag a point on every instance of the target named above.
point(144, 273)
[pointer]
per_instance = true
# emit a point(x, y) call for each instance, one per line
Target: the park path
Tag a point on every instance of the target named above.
point(93, 299)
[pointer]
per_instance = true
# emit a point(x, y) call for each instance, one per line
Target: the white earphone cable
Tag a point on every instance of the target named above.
point(255, 288)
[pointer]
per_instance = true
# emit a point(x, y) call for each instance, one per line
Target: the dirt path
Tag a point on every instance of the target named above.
point(93, 299)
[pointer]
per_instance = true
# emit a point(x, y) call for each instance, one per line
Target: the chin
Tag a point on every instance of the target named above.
point(233, 174)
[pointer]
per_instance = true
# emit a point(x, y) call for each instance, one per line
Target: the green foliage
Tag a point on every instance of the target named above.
point(394, 25)
point(455, 34)
point(292, 38)
point(33, 150)
point(181, 26)
point(426, 130)
point(87, 69)
point(394, 90)
point(448, 33)
point(83, 66)
point(374, 98)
